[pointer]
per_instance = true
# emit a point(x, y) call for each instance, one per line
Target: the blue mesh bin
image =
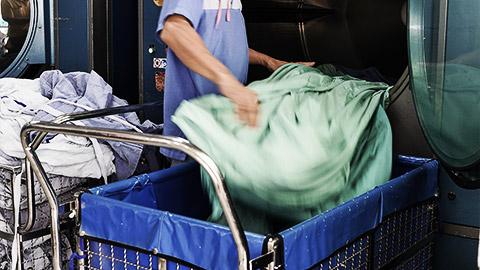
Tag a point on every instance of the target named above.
point(156, 221)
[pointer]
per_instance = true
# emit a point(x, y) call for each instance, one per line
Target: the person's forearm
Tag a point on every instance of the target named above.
point(187, 45)
point(257, 58)
point(272, 64)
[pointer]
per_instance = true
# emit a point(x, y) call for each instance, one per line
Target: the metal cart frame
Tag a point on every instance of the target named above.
point(272, 251)
point(33, 164)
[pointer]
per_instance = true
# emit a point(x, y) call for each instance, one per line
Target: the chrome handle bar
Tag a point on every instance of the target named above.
point(63, 119)
point(133, 137)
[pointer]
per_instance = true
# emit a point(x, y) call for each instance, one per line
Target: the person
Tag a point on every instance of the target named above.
point(17, 14)
point(207, 53)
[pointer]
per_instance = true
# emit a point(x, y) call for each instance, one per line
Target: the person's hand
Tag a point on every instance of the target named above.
point(245, 100)
point(273, 64)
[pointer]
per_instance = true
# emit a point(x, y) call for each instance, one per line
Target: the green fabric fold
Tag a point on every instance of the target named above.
point(321, 140)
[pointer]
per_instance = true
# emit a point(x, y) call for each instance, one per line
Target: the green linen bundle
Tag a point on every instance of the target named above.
point(322, 139)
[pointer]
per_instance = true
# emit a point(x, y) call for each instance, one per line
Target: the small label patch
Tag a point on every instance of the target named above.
point(159, 62)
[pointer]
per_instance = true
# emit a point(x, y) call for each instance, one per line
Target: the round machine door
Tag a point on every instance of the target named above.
point(25, 43)
point(444, 44)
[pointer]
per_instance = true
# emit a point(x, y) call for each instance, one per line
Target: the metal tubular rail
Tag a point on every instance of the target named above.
point(133, 137)
point(59, 120)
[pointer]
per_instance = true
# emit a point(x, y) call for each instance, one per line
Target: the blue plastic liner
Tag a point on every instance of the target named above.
point(318, 237)
point(127, 212)
point(138, 212)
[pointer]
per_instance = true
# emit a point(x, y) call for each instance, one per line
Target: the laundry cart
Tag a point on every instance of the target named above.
point(25, 215)
point(154, 221)
point(32, 238)
point(157, 220)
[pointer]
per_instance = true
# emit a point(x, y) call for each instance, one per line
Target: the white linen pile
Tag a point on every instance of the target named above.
point(20, 101)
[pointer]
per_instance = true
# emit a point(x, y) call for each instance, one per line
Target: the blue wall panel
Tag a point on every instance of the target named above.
point(153, 61)
point(73, 54)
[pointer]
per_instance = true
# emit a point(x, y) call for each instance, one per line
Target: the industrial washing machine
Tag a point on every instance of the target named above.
point(428, 49)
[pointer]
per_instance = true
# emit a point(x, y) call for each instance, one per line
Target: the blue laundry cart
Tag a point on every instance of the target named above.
point(157, 221)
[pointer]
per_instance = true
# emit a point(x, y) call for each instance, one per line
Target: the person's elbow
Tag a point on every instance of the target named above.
point(166, 33)
point(172, 26)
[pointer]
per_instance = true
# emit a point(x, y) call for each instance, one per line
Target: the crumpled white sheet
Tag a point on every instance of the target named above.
point(20, 100)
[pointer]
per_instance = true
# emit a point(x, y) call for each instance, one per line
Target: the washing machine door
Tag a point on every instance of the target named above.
point(26, 43)
point(444, 44)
